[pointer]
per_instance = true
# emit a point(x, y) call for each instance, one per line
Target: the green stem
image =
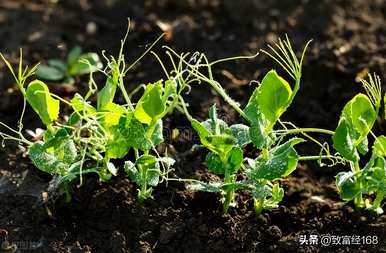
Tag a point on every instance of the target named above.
point(315, 157)
point(143, 188)
point(51, 129)
point(378, 199)
point(229, 194)
point(303, 130)
point(228, 99)
point(358, 200)
point(258, 205)
point(150, 130)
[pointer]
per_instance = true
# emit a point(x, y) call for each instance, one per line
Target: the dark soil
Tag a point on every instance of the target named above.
point(348, 36)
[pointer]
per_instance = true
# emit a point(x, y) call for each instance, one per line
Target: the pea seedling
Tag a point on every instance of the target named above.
point(351, 141)
point(76, 64)
point(278, 157)
point(95, 135)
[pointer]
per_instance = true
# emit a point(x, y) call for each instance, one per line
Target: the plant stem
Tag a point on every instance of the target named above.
point(258, 205)
point(378, 199)
point(229, 194)
point(315, 157)
point(358, 200)
point(228, 99)
point(303, 130)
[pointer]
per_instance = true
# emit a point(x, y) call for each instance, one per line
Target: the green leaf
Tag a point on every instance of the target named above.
point(261, 191)
point(274, 96)
point(231, 163)
point(57, 63)
point(81, 106)
point(67, 152)
point(80, 67)
point(151, 105)
point(38, 96)
point(150, 170)
point(112, 114)
point(157, 136)
point(213, 187)
point(344, 141)
point(45, 161)
point(153, 175)
point(280, 162)
point(203, 133)
point(357, 119)
point(219, 144)
point(117, 145)
point(132, 172)
point(277, 195)
point(260, 138)
point(213, 161)
point(348, 185)
point(379, 147)
point(55, 139)
point(269, 100)
point(235, 159)
point(73, 55)
point(170, 89)
point(361, 114)
point(50, 73)
point(111, 168)
point(107, 94)
point(363, 147)
point(241, 133)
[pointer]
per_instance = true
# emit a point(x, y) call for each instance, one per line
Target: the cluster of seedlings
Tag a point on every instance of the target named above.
point(99, 132)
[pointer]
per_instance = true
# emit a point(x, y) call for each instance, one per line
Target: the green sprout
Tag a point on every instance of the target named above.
point(93, 136)
point(277, 156)
point(75, 64)
point(351, 141)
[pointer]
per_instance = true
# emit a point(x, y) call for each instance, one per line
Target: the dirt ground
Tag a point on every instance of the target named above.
point(348, 37)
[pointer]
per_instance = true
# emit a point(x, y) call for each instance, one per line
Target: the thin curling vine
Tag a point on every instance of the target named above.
point(277, 156)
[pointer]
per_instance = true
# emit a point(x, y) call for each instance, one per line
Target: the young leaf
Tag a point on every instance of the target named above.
point(111, 168)
point(80, 67)
point(273, 97)
point(277, 195)
point(214, 187)
point(348, 185)
point(231, 163)
point(45, 161)
point(258, 135)
point(38, 96)
point(151, 104)
point(73, 55)
point(213, 161)
point(150, 170)
point(112, 114)
point(269, 100)
point(132, 172)
point(241, 134)
point(106, 95)
point(235, 159)
point(357, 119)
point(379, 147)
point(362, 115)
point(57, 63)
point(281, 161)
point(50, 73)
point(81, 106)
point(344, 141)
